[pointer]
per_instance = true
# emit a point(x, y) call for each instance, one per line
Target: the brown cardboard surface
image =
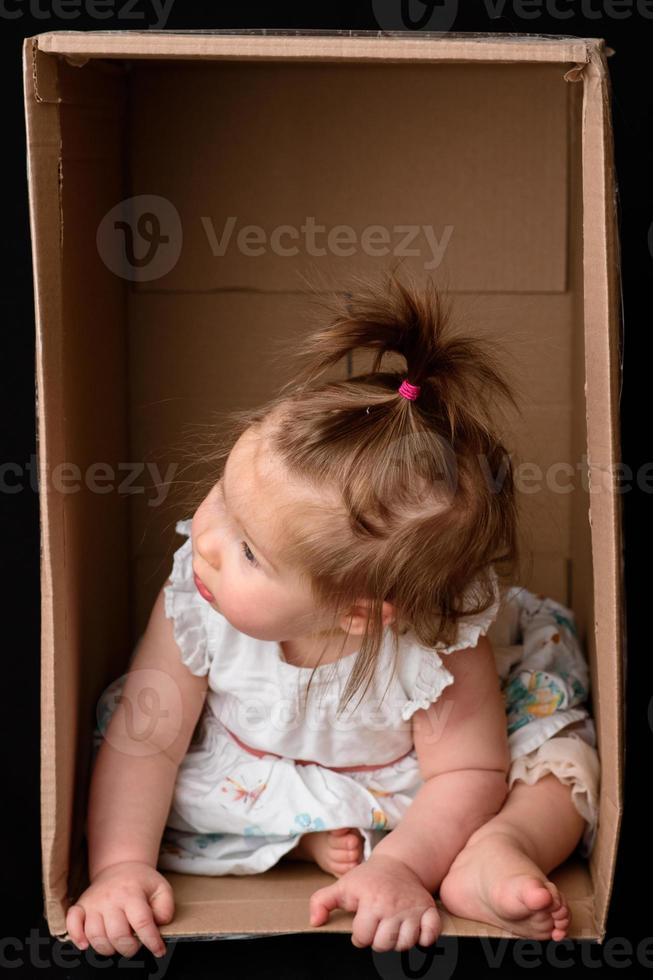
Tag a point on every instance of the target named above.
point(602, 382)
point(317, 46)
point(277, 902)
point(95, 136)
point(417, 197)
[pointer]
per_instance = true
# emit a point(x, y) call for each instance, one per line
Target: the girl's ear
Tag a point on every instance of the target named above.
point(355, 621)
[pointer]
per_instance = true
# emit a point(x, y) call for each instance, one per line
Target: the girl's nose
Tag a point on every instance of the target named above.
point(208, 547)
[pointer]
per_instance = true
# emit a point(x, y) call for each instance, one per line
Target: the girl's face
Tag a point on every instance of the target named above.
point(236, 533)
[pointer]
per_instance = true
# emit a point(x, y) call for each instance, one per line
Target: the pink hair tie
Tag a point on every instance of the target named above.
point(408, 390)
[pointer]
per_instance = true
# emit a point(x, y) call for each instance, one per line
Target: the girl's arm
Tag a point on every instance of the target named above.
point(462, 747)
point(147, 737)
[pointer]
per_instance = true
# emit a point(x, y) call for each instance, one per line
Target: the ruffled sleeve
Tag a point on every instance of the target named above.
point(422, 671)
point(186, 608)
point(471, 628)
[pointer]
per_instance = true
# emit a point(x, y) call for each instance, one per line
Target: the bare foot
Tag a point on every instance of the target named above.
point(494, 880)
point(335, 851)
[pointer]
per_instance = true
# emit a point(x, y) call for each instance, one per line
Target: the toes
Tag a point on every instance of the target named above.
point(349, 842)
point(560, 926)
point(558, 901)
point(561, 909)
point(538, 896)
point(341, 862)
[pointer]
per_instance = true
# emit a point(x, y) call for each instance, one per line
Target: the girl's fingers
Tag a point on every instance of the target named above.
point(429, 927)
point(75, 926)
point(97, 934)
point(409, 932)
point(119, 932)
point(386, 934)
point(162, 903)
point(364, 927)
point(323, 902)
point(141, 918)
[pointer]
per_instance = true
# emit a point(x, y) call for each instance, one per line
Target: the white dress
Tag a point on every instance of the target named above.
point(259, 771)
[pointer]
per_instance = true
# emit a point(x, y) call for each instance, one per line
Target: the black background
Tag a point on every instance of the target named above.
point(628, 29)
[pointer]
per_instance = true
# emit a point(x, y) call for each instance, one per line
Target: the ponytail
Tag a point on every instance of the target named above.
point(458, 376)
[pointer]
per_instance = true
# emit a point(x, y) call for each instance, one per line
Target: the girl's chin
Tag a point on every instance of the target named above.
point(249, 629)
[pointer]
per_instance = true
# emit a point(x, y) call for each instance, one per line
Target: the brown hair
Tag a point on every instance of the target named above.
point(426, 499)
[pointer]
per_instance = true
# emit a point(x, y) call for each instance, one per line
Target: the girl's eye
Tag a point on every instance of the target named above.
point(248, 554)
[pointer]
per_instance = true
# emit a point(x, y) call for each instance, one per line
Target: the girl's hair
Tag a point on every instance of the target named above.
point(419, 498)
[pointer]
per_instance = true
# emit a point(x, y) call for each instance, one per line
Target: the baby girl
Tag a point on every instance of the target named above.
point(316, 681)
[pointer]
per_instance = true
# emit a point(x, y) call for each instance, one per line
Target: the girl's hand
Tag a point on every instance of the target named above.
point(123, 896)
point(393, 909)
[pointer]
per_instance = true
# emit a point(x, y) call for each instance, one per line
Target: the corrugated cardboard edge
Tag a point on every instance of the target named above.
point(270, 47)
point(602, 384)
point(44, 179)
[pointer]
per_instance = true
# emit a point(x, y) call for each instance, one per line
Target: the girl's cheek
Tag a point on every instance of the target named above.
point(233, 597)
point(249, 613)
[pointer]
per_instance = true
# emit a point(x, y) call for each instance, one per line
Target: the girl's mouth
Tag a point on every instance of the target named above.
point(202, 589)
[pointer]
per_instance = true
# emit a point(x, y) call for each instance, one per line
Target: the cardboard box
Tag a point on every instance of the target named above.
point(504, 140)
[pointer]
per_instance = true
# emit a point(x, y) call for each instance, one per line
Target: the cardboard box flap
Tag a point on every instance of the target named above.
point(74, 130)
point(382, 46)
point(603, 341)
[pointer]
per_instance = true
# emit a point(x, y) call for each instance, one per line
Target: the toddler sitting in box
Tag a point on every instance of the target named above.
point(317, 679)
